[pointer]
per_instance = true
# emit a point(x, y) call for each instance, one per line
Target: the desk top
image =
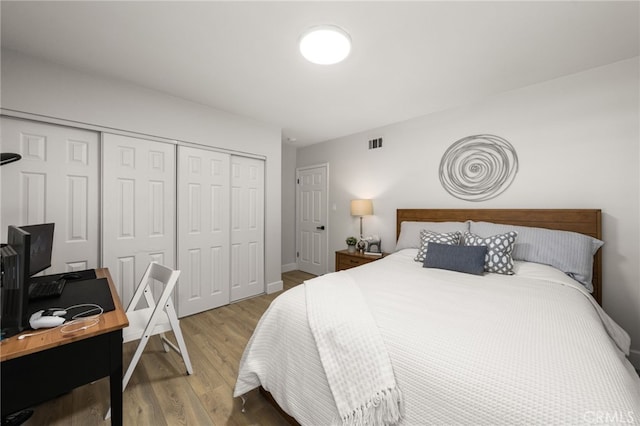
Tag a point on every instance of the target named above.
point(109, 321)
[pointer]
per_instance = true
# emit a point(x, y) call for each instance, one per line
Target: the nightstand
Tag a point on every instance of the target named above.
point(346, 260)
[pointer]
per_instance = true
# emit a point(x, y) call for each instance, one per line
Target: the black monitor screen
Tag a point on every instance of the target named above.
point(41, 246)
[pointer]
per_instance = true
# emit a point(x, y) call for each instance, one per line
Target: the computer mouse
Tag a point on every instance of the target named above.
point(70, 276)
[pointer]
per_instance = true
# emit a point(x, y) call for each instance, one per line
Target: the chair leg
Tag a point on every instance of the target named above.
point(132, 366)
point(177, 331)
point(183, 350)
point(134, 361)
point(163, 339)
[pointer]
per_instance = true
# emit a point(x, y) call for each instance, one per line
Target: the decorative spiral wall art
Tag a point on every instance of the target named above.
point(478, 168)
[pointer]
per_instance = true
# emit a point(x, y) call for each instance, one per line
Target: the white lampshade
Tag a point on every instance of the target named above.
point(325, 45)
point(361, 207)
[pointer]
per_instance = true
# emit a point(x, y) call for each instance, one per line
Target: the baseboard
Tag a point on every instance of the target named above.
point(289, 267)
point(634, 358)
point(275, 287)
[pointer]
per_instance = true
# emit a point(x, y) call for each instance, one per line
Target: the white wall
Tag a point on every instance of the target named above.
point(577, 139)
point(38, 87)
point(289, 261)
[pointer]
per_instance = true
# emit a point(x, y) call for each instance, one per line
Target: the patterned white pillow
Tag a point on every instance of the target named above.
point(410, 231)
point(426, 237)
point(499, 247)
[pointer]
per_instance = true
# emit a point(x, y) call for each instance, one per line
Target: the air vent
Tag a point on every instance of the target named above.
point(375, 143)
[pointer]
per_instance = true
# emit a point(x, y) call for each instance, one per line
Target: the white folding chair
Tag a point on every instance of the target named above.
point(156, 318)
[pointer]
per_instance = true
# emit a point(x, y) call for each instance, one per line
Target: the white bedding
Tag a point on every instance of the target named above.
point(530, 348)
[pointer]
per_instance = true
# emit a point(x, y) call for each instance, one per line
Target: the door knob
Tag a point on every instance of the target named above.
point(320, 227)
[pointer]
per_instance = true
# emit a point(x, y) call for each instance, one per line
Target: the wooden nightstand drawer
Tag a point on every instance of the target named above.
point(346, 260)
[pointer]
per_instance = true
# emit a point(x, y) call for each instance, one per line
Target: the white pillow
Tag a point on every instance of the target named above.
point(410, 232)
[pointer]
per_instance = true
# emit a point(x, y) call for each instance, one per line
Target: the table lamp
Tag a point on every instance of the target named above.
point(361, 208)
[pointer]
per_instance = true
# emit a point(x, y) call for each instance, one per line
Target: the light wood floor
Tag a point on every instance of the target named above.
point(160, 393)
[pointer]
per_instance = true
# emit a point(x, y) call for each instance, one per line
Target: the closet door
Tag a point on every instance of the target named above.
point(55, 181)
point(203, 229)
point(139, 196)
point(247, 227)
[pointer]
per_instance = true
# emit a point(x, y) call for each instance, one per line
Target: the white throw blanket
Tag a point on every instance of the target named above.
point(352, 352)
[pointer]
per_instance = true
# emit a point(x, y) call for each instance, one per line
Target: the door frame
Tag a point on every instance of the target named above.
point(325, 208)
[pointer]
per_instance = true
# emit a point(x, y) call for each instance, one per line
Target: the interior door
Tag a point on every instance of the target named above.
point(57, 180)
point(247, 227)
point(139, 203)
point(312, 222)
point(203, 229)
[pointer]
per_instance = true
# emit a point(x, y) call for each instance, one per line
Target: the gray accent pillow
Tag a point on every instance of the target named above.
point(499, 247)
point(410, 231)
point(570, 252)
point(426, 237)
point(467, 259)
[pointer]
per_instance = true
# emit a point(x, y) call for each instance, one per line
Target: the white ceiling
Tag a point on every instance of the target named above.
point(408, 58)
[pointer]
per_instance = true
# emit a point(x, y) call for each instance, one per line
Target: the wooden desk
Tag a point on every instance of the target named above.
point(38, 368)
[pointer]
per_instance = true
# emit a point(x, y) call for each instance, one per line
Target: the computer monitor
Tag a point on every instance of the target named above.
point(15, 296)
point(41, 246)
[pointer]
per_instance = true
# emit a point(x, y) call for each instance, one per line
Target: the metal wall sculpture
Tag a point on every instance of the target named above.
point(478, 168)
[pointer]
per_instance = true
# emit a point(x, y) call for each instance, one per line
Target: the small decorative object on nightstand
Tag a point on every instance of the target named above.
point(373, 245)
point(351, 244)
point(346, 260)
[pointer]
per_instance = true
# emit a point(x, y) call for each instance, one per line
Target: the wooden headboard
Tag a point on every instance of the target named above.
point(583, 221)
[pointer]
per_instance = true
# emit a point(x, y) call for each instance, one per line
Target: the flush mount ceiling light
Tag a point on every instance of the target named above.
point(325, 45)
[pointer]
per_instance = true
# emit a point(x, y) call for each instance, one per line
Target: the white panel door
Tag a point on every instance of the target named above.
point(57, 180)
point(247, 227)
point(203, 229)
point(312, 220)
point(138, 211)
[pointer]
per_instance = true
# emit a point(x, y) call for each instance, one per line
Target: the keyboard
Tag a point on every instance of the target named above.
point(45, 289)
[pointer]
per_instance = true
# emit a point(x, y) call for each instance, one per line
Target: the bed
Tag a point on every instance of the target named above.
point(395, 342)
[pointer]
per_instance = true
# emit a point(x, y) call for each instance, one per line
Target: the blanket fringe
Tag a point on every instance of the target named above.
point(385, 407)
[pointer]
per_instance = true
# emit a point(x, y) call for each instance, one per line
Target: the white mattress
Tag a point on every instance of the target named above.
point(532, 348)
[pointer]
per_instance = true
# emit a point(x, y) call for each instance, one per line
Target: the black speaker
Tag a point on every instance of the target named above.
point(11, 297)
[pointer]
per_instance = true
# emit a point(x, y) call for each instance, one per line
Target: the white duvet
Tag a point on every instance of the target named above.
point(531, 348)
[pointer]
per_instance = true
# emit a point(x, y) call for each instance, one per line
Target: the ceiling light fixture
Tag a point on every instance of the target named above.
point(325, 44)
